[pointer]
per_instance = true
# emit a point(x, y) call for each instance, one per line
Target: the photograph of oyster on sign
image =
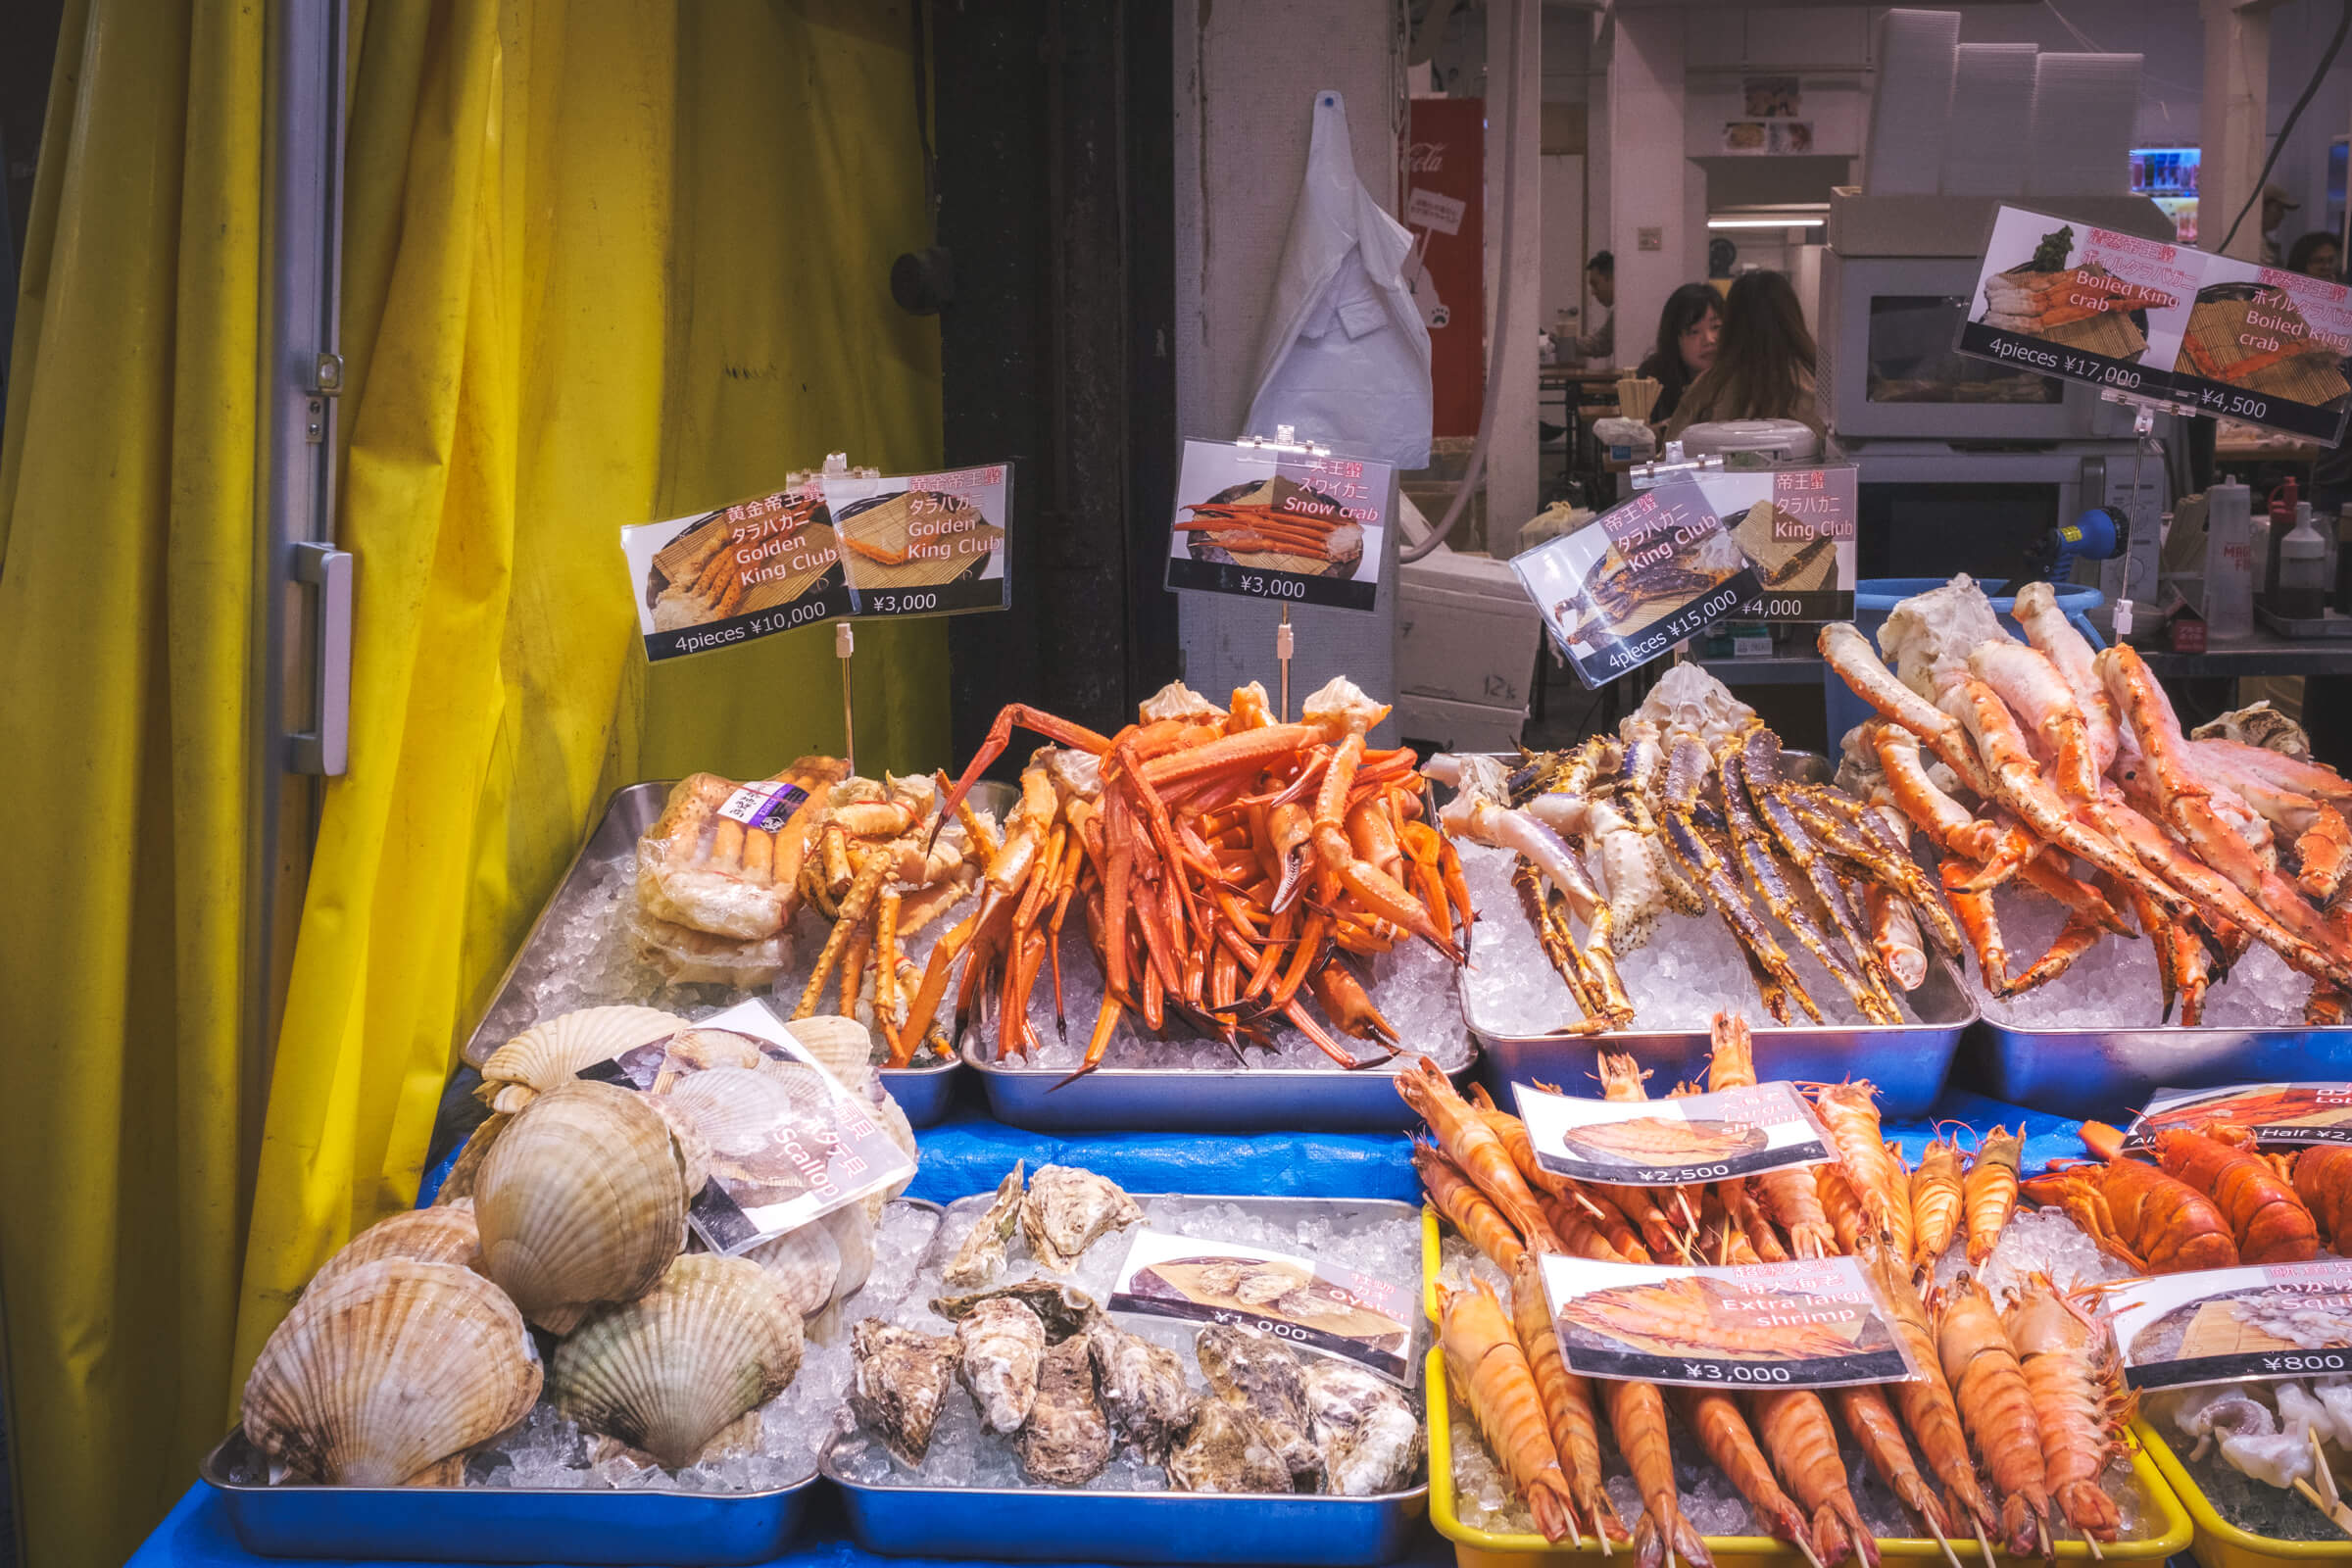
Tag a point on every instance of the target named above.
point(1293, 527)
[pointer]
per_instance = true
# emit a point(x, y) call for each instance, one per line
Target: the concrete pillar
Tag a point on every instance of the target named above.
point(1650, 211)
point(2232, 123)
point(1514, 53)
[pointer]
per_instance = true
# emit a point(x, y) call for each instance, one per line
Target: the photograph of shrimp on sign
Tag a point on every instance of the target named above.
point(1294, 527)
point(1806, 1325)
point(925, 544)
point(1672, 1143)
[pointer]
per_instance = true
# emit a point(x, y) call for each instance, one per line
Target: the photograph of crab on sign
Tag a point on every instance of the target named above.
point(2081, 303)
point(1293, 527)
point(925, 544)
point(1797, 528)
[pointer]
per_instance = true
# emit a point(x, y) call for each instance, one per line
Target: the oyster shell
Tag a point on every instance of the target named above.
point(982, 1253)
point(805, 1263)
point(1142, 1389)
point(386, 1369)
point(998, 1350)
point(1067, 1211)
point(443, 1234)
point(1367, 1434)
point(582, 1199)
point(1262, 1375)
point(1226, 1450)
point(900, 1384)
point(547, 1054)
point(1066, 1440)
point(674, 1368)
point(1063, 1309)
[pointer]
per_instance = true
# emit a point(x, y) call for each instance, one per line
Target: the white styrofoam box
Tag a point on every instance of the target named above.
point(1466, 632)
point(1457, 726)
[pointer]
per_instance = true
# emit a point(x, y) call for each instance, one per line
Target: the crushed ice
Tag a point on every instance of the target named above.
point(2115, 985)
point(1382, 1241)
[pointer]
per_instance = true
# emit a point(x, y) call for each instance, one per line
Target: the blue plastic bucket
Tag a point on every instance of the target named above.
point(1875, 598)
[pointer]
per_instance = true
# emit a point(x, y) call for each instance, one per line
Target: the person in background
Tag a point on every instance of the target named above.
point(2275, 205)
point(2316, 254)
point(1599, 346)
point(1763, 366)
point(1688, 330)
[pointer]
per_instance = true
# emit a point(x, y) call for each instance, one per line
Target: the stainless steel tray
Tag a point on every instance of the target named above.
point(1907, 1062)
point(1052, 1524)
point(502, 1524)
point(509, 1523)
point(923, 1093)
point(2108, 1072)
point(1196, 1100)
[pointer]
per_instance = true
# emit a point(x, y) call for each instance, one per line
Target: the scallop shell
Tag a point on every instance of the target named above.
point(738, 1109)
point(462, 1170)
point(853, 1231)
point(443, 1234)
point(805, 1265)
point(548, 1053)
point(842, 1047)
point(700, 1050)
point(582, 1199)
point(388, 1368)
point(891, 1119)
point(673, 1369)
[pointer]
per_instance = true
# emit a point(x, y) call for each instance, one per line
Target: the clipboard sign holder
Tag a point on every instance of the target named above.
point(1285, 442)
point(845, 638)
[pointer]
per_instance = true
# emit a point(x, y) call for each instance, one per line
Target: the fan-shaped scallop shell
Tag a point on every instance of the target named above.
point(842, 1047)
point(695, 1051)
point(853, 1231)
point(443, 1234)
point(548, 1053)
point(674, 1368)
point(386, 1369)
point(805, 1265)
point(737, 1110)
point(582, 1199)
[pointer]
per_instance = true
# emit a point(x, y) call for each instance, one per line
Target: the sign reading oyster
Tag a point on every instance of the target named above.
point(1295, 1300)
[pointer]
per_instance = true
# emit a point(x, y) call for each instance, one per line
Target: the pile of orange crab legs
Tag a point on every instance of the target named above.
point(1223, 862)
point(2088, 792)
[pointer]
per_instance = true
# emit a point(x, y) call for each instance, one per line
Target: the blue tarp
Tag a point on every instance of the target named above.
point(971, 1153)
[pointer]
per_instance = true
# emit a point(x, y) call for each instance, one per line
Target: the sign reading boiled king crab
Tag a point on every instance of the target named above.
point(1809, 1325)
point(2081, 303)
point(1637, 580)
point(1673, 1143)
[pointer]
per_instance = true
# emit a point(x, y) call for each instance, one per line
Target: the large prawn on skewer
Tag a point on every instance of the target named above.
point(1996, 1406)
point(2067, 1353)
point(1484, 1364)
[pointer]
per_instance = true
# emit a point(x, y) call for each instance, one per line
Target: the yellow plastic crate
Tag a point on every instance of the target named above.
point(2220, 1544)
point(1432, 1252)
point(1484, 1548)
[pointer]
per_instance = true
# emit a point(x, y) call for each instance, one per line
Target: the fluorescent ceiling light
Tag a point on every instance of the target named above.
point(1797, 220)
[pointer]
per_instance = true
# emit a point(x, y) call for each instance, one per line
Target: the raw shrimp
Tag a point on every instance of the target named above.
point(1926, 1400)
point(1489, 1372)
point(1470, 1143)
point(1796, 1431)
point(1996, 1406)
point(1567, 1400)
point(1937, 1194)
point(1455, 1195)
point(1989, 1191)
point(2069, 1359)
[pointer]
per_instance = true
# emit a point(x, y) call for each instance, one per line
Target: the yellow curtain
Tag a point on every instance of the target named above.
point(605, 261)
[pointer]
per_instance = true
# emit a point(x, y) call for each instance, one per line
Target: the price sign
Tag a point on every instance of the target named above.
point(1809, 1325)
point(2281, 1116)
point(1638, 579)
point(2267, 347)
point(1672, 1143)
point(2230, 1325)
point(1290, 527)
point(1344, 1311)
point(2081, 303)
point(913, 545)
point(1797, 528)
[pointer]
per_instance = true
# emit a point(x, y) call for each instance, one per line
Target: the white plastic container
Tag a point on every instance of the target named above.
point(2302, 570)
point(2228, 562)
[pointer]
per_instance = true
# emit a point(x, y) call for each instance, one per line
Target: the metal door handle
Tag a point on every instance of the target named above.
point(327, 748)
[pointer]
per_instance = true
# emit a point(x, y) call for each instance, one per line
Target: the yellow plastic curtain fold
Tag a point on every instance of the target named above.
point(604, 262)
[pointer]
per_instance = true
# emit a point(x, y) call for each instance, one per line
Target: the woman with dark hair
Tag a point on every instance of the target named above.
point(2316, 254)
point(1764, 365)
point(1687, 329)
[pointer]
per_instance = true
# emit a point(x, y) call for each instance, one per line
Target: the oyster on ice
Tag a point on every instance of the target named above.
point(982, 1253)
point(1067, 1211)
point(1142, 1389)
point(1366, 1432)
point(1066, 1440)
point(1262, 1375)
point(1226, 1450)
point(901, 1381)
point(1000, 1347)
point(442, 1234)
point(387, 1369)
point(1063, 1309)
point(581, 1200)
point(678, 1366)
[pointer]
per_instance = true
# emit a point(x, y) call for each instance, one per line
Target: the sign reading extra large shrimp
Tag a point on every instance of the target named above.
point(1638, 579)
point(2234, 1325)
point(1673, 1143)
point(1810, 1325)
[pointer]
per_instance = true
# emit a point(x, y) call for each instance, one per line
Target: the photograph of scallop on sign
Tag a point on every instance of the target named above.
point(2081, 303)
point(1638, 579)
point(926, 544)
point(1281, 525)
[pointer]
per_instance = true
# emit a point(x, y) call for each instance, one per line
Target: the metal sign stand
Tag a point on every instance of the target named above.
point(845, 643)
point(1284, 440)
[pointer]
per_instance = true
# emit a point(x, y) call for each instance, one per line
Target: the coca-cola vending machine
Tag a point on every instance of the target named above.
point(1445, 206)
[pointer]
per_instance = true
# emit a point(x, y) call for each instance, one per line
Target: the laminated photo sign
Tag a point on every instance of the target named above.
point(2287, 1115)
point(1279, 521)
point(925, 544)
point(2232, 1325)
point(1638, 579)
point(2081, 303)
point(1797, 526)
point(1672, 1143)
point(2267, 346)
point(1344, 1312)
point(1809, 1325)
